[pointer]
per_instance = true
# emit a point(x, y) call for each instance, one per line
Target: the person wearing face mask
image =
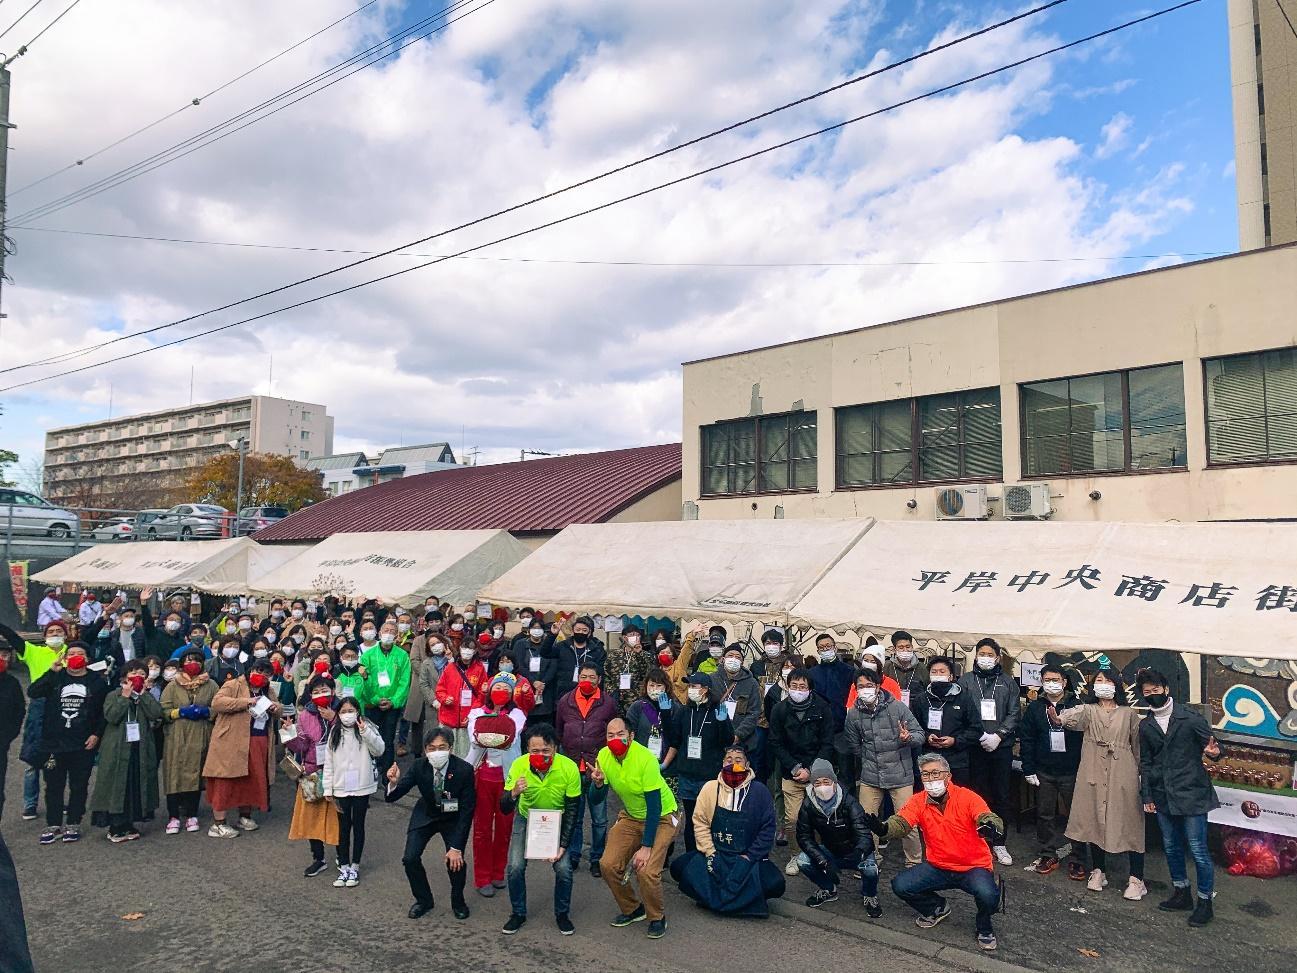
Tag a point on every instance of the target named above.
point(446, 805)
point(225, 663)
point(171, 635)
point(540, 779)
point(705, 653)
point(1173, 740)
point(767, 670)
point(904, 667)
point(315, 822)
point(951, 723)
point(884, 737)
point(495, 729)
point(775, 693)
point(998, 698)
point(833, 679)
point(650, 717)
point(72, 725)
point(740, 694)
point(625, 668)
point(640, 839)
point(457, 631)
point(580, 650)
point(957, 827)
point(423, 701)
point(350, 776)
point(13, 708)
point(696, 743)
point(186, 705)
point(387, 687)
point(581, 719)
point(535, 659)
point(126, 783)
point(833, 836)
point(240, 758)
point(733, 822)
point(350, 676)
point(871, 661)
point(407, 640)
point(1109, 813)
point(801, 733)
point(197, 640)
point(1050, 757)
point(274, 620)
point(460, 689)
point(410, 732)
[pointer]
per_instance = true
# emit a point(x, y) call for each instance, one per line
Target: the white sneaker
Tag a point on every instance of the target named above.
point(221, 830)
point(191, 824)
point(353, 877)
point(1002, 856)
point(1135, 890)
point(173, 826)
point(247, 824)
point(1097, 882)
point(791, 868)
point(344, 871)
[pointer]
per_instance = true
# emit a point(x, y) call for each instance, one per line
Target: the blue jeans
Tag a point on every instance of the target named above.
point(598, 824)
point(1179, 830)
point(918, 886)
point(31, 789)
point(868, 871)
point(515, 873)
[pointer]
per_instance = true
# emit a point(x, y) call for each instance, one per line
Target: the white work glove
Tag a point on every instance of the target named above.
point(1033, 780)
point(990, 741)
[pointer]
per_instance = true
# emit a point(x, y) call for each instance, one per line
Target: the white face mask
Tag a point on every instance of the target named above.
point(128, 621)
point(297, 639)
point(260, 653)
point(277, 614)
point(173, 626)
point(1105, 690)
point(298, 613)
point(54, 641)
point(659, 642)
point(537, 633)
point(869, 694)
point(438, 758)
point(457, 627)
point(828, 655)
point(939, 678)
point(525, 620)
point(985, 662)
point(387, 638)
point(788, 671)
point(168, 674)
point(799, 695)
point(438, 648)
point(905, 658)
point(230, 651)
point(154, 672)
point(348, 718)
point(733, 665)
point(470, 616)
point(403, 626)
point(716, 651)
point(697, 694)
point(368, 634)
point(825, 792)
point(1053, 688)
point(772, 650)
point(335, 629)
point(467, 654)
point(245, 624)
point(497, 632)
point(632, 641)
point(936, 788)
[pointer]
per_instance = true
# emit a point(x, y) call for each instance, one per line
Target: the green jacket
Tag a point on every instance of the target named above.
point(356, 683)
point(396, 665)
point(115, 752)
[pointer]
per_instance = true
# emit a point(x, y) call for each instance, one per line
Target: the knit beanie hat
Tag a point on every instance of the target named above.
point(822, 768)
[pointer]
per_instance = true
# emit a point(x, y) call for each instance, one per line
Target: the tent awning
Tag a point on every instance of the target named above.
point(223, 567)
point(713, 569)
point(1215, 589)
point(398, 566)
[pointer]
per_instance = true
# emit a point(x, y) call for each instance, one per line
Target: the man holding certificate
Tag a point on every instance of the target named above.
point(543, 786)
point(641, 837)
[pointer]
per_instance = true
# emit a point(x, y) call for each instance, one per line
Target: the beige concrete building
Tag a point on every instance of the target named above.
point(1159, 396)
point(124, 461)
point(1263, 73)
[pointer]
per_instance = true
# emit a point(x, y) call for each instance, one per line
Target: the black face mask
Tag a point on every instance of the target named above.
point(1157, 700)
point(940, 689)
point(579, 639)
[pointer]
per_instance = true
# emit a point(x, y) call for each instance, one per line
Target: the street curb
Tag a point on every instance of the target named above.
point(918, 945)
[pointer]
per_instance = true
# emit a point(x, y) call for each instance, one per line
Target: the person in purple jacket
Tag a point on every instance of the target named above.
point(581, 718)
point(316, 821)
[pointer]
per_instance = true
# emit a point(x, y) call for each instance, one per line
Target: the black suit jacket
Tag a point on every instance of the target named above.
point(459, 784)
point(1171, 772)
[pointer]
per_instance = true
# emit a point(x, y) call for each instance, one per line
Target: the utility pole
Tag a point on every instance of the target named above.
point(240, 444)
point(5, 125)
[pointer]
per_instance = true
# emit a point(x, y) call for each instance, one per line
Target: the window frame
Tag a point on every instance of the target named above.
point(1206, 420)
point(703, 465)
point(916, 448)
point(1126, 470)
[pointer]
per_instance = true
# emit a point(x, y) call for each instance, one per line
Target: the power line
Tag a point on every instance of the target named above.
point(196, 142)
point(721, 264)
point(636, 195)
point(20, 18)
point(66, 356)
point(192, 103)
point(41, 33)
point(1283, 11)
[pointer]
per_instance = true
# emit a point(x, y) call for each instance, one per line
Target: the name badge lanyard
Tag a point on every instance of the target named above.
point(994, 714)
point(694, 749)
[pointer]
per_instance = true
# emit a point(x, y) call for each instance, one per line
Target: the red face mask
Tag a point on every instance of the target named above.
point(4, 664)
point(587, 687)
point(76, 662)
point(321, 666)
point(664, 657)
point(276, 666)
point(321, 700)
point(136, 679)
point(732, 777)
point(258, 680)
point(539, 762)
point(618, 746)
point(500, 695)
point(192, 668)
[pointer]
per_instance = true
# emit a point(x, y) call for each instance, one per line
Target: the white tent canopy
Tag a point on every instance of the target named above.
point(1216, 589)
point(224, 567)
point(398, 566)
point(736, 569)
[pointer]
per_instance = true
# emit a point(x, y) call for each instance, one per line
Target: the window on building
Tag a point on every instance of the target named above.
point(932, 439)
point(1109, 423)
point(1252, 407)
point(306, 434)
point(306, 415)
point(765, 454)
point(304, 454)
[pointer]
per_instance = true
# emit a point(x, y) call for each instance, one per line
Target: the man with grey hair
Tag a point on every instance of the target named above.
point(958, 831)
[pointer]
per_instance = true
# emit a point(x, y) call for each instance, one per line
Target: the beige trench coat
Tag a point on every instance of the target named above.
point(1106, 806)
point(227, 754)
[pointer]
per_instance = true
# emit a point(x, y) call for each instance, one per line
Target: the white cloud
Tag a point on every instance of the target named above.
point(1114, 135)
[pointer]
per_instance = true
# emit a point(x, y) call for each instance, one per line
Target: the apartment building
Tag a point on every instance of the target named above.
point(345, 472)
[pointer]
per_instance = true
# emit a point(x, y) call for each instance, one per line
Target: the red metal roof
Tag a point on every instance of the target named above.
point(538, 495)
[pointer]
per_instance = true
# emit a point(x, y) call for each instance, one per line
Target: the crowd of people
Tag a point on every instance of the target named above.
point(718, 752)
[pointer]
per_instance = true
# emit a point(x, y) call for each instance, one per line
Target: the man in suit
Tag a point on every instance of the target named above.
point(445, 806)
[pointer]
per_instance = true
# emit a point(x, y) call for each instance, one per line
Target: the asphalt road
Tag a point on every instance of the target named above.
point(213, 905)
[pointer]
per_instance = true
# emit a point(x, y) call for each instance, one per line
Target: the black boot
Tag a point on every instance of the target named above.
point(1180, 900)
point(1202, 913)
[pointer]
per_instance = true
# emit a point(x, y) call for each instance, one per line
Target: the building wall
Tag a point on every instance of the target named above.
point(662, 504)
point(1183, 314)
point(291, 428)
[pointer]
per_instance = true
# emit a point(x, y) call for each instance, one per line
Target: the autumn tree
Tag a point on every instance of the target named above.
point(7, 458)
point(268, 480)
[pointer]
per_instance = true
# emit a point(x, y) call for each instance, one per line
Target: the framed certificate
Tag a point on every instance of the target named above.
point(543, 829)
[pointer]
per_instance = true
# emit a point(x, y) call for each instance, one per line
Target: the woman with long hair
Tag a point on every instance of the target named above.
point(350, 777)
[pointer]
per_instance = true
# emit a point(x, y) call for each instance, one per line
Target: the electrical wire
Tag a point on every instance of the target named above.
point(625, 167)
point(39, 34)
point(196, 142)
point(192, 103)
point(1283, 10)
point(632, 196)
point(721, 264)
point(20, 18)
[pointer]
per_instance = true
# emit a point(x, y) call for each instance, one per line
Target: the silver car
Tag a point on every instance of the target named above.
point(26, 513)
point(114, 529)
point(189, 521)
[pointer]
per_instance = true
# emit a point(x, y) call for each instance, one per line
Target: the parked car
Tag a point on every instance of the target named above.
point(27, 513)
point(252, 519)
point(114, 529)
point(145, 517)
point(189, 521)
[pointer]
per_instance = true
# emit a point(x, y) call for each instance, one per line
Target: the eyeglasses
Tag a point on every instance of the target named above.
point(935, 775)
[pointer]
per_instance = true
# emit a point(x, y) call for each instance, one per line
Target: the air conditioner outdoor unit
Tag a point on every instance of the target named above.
point(1027, 501)
point(962, 503)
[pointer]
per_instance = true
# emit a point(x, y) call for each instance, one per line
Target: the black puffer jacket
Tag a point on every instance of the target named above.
point(799, 737)
point(838, 833)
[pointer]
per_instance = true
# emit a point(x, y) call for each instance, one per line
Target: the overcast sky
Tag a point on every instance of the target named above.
point(1122, 149)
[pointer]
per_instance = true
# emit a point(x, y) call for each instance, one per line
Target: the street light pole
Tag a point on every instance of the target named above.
point(240, 444)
